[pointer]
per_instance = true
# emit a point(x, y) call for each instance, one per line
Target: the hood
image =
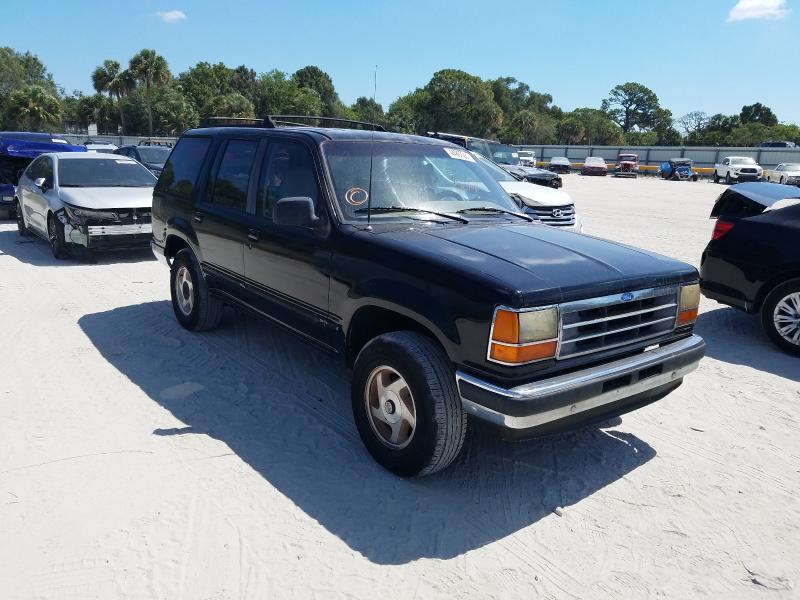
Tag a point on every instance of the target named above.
point(155, 166)
point(536, 195)
point(107, 197)
point(526, 172)
point(544, 264)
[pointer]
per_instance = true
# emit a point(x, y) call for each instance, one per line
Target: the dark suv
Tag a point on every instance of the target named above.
point(404, 256)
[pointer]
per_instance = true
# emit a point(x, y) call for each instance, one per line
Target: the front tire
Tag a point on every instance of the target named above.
point(406, 405)
point(22, 227)
point(55, 236)
point(194, 306)
point(781, 180)
point(780, 316)
point(716, 176)
point(728, 178)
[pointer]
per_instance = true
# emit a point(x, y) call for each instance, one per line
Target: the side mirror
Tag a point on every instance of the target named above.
point(295, 211)
point(41, 183)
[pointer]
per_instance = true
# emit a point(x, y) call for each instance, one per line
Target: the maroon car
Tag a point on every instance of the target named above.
point(594, 165)
point(627, 165)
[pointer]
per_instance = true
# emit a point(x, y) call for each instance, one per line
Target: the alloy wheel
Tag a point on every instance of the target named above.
point(390, 407)
point(184, 290)
point(786, 318)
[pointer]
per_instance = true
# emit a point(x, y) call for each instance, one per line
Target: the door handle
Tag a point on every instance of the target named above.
point(198, 217)
point(253, 235)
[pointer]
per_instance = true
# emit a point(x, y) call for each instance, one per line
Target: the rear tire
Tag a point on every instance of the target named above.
point(194, 306)
point(728, 178)
point(22, 227)
point(716, 177)
point(416, 376)
point(782, 304)
point(781, 180)
point(55, 236)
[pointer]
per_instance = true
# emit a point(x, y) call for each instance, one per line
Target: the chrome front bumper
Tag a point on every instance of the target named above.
point(617, 386)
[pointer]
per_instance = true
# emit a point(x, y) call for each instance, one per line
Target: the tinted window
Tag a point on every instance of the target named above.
point(34, 169)
point(233, 174)
point(110, 172)
point(733, 204)
point(288, 171)
point(181, 172)
point(154, 154)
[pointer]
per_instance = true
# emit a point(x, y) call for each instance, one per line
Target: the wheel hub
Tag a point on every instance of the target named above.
point(786, 318)
point(390, 407)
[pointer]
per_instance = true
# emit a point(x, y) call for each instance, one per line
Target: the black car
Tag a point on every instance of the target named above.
point(152, 157)
point(505, 156)
point(753, 259)
point(403, 255)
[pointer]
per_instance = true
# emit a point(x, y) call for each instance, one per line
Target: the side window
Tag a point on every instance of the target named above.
point(287, 171)
point(33, 170)
point(726, 161)
point(183, 168)
point(47, 170)
point(233, 174)
point(779, 167)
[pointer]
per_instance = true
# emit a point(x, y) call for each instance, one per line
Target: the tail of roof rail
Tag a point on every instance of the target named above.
point(297, 121)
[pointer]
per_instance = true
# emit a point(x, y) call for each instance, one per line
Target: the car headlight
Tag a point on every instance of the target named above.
point(688, 304)
point(80, 215)
point(523, 336)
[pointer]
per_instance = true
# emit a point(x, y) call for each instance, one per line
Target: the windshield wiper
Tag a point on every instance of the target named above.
point(495, 210)
point(384, 209)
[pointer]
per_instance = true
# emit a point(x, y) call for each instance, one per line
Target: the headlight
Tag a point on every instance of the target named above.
point(687, 304)
point(520, 337)
point(84, 214)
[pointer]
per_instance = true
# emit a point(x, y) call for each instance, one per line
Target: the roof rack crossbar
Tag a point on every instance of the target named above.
point(237, 122)
point(292, 120)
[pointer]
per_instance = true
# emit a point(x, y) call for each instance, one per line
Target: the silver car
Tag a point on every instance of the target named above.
point(788, 173)
point(91, 201)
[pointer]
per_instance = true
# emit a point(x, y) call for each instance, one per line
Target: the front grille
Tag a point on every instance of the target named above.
point(608, 322)
point(558, 216)
point(125, 216)
point(748, 171)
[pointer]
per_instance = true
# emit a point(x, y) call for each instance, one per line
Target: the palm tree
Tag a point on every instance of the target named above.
point(108, 77)
point(151, 69)
point(32, 107)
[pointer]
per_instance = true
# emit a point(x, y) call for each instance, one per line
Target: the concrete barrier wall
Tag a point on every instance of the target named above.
point(703, 156)
point(118, 140)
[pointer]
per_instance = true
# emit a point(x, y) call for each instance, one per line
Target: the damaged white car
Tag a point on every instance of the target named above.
point(91, 201)
point(550, 206)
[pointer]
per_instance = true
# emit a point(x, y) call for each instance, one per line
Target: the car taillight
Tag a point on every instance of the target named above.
point(720, 229)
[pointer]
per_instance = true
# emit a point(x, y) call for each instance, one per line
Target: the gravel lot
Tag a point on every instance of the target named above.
point(138, 460)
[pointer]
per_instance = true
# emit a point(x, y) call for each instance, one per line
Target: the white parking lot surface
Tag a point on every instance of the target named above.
point(138, 460)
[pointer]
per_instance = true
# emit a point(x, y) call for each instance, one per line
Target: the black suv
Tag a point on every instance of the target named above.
point(404, 256)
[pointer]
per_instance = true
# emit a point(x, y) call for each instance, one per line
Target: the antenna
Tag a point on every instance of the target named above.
point(371, 150)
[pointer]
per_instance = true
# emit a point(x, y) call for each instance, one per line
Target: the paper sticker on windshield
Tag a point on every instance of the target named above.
point(122, 162)
point(356, 196)
point(459, 154)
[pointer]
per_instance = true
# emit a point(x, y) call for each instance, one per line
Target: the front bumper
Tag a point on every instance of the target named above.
point(8, 205)
point(746, 176)
point(107, 236)
point(597, 393)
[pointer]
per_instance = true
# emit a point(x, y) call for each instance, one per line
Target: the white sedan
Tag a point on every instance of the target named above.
point(550, 206)
point(788, 173)
point(92, 201)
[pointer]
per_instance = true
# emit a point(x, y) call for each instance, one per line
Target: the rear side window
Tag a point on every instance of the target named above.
point(733, 204)
point(233, 175)
point(183, 168)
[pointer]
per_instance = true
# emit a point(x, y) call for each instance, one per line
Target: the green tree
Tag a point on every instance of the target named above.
point(316, 79)
point(758, 113)
point(34, 108)
point(631, 105)
point(366, 109)
point(571, 130)
point(598, 128)
point(407, 113)
point(151, 69)
point(232, 105)
point(276, 94)
point(110, 78)
point(458, 101)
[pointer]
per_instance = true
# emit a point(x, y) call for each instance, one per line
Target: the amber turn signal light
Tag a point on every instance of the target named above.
point(523, 354)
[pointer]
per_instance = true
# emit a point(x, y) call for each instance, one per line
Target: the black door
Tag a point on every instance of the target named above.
point(287, 267)
point(220, 218)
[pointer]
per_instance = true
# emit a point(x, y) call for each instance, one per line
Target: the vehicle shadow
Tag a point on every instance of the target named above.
point(35, 251)
point(283, 407)
point(736, 337)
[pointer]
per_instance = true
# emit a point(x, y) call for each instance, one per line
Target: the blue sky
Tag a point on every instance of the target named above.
point(695, 54)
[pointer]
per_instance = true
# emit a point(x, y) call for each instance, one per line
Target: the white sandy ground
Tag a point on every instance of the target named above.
point(138, 460)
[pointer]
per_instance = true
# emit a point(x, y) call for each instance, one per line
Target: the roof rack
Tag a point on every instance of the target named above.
point(236, 122)
point(297, 121)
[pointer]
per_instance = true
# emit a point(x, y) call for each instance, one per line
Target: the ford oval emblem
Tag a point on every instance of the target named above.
point(627, 297)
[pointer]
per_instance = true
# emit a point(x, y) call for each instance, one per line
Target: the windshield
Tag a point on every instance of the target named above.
point(628, 157)
point(791, 167)
point(594, 160)
point(742, 161)
point(409, 176)
point(505, 155)
point(156, 155)
point(525, 154)
point(559, 160)
point(95, 172)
